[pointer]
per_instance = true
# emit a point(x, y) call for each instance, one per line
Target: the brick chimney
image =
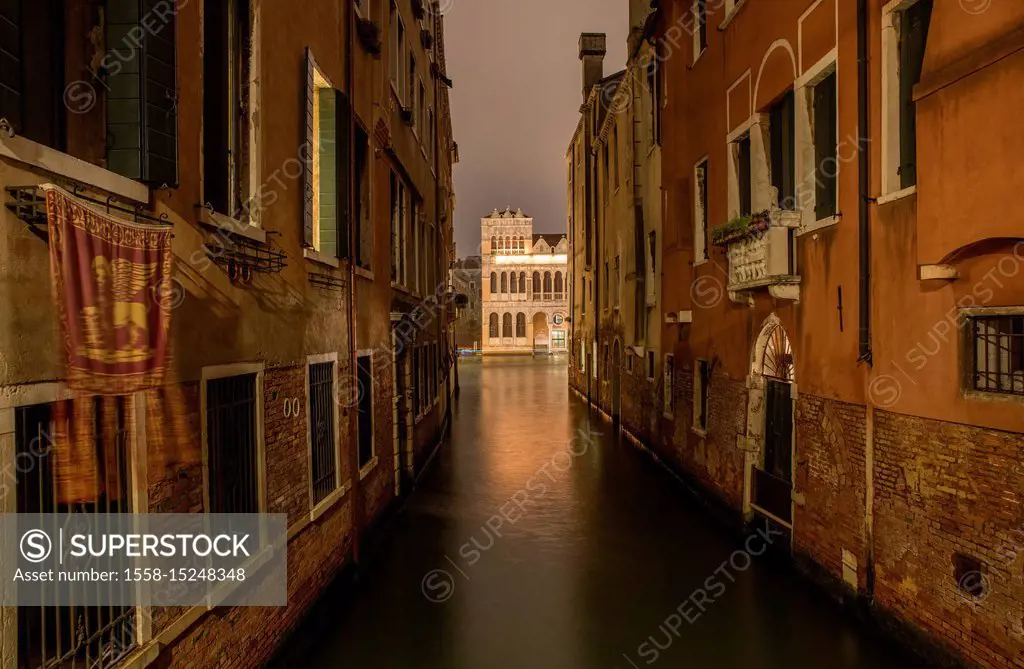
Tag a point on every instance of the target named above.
point(592, 52)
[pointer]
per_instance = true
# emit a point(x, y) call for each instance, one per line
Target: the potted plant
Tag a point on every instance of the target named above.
point(369, 35)
point(739, 228)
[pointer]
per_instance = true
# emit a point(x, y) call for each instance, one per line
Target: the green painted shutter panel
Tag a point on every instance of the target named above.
point(309, 92)
point(142, 109)
point(344, 156)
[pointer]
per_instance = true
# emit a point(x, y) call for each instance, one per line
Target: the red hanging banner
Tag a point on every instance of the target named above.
point(111, 280)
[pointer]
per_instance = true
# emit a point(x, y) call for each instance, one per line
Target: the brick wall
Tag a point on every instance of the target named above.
point(287, 442)
point(942, 489)
point(378, 488)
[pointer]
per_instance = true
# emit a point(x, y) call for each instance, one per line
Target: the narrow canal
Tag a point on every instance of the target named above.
point(532, 545)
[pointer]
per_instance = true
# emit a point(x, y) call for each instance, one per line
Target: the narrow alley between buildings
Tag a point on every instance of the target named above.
point(537, 539)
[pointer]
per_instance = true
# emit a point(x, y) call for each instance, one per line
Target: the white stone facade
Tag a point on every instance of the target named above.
point(525, 286)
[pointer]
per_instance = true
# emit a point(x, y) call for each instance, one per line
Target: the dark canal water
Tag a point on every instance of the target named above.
point(530, 545)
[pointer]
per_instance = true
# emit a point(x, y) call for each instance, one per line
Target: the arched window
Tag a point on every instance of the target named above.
point(522, 282)
point(547, 282)
point(504, 282)
point(512, 287)
point(493, 247)
point(520, 324)
point(508, 244)
point(494, 282)
point(519, 244)
point(492, 325)
point(536, 282)
point(506, 325)
point(558, 282)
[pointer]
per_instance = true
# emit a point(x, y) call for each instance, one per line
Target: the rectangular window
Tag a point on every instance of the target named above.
point(700, 211)
point(701, 381)
point(397, 54)
point(743, 174)
point(399, 223)
point(364, 383)
point(700, 28)
point(323, 443)
point(416, 399)
point(668, 396)
point(232, 444)
point(826, 166)
point(225, 132)
point(654, 89)
point(421, 114)
point(410, 96)
point(650, 365)
point(781, 125)
point(85, 475)
point(325, 171)
point(593, 360)
point(615, 151)
point(998, 347)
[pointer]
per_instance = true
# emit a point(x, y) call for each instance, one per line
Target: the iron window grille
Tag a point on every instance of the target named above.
point(323, 442)
point(998, 354)
point(232, 444)
point(94, 482)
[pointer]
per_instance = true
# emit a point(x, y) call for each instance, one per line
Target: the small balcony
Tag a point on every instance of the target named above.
point(760, 253)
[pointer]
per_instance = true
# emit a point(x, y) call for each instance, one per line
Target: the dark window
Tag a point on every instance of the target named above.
point(506, 325)
point(492, 325)
point(781, 123)
point(231, 442)
point(361, 215)
point(704, 374)
point(558, 284)
point(650, 364)
point(743, 174)
point(547, 285)
point(914, 23)
point(225, 134)
point(520, 324)
point(364, 383)
point(522, 282)
point(494, 282)
point(702, 26)
point(825, 147)
point(417, 396)
point(654, 88)
point(32, 70)
point(778, 437)
point(970, 579)
point(321, 431)
point(536, 285)
point(56, 474)
point(702, 198)
point(513, 285)
point(504, 282)
point(999, 354)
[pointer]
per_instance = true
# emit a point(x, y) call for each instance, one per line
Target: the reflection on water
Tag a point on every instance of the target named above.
point(537, 541)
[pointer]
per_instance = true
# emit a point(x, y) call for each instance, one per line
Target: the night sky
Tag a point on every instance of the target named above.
point(515, 104)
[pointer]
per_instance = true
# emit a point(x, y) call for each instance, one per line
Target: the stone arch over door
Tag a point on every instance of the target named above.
point(771, 433)
point(541, 333)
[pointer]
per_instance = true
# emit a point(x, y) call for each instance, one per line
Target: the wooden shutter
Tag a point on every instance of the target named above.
point(782, 149)
point(142, 107)
point(825, 143)
point(11, 85)
point(310, 148)
point(913, 37)
point(743, 158)
point(344, 156)
point(216, 106)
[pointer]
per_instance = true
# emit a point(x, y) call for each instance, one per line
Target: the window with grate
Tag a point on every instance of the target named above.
point(232, 444)
point(322, 438)
point(364, 382)
point(998, 343)
point(89, 475)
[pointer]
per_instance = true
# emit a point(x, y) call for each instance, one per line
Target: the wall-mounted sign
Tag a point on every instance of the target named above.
point(558, 319)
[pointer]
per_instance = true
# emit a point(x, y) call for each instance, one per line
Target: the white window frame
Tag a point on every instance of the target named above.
point(341, 486)
point(890, 102)
point(806, 169)
point(397, 53)
point(320, 82)
point(760, 175)
point(366, 469)
point(698, 26)
point(701, 220)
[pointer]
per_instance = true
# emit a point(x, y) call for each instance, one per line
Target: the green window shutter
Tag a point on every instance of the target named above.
point(142, 109)
point(327, 146)
point(309, 92)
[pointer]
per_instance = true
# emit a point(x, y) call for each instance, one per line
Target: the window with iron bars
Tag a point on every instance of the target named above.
point(231, 441)
point(322, 439)
point(998, 343)
point(73, 458)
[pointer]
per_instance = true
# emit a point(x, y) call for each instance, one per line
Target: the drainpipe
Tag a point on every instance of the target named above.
point(353, 432)
point(864, 182)
point(864, 334)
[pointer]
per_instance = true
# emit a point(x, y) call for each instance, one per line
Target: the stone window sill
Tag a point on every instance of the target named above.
point(699, 432)
point(315, 256)
point(368, 468)
point(233, 225)
point(364, 272)
point(58, 163)
point(820, 224)
point(896, 195)
point(329, 502)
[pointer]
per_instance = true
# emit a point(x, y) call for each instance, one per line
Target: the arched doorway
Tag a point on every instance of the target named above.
point(616, 382)
point(541, 336)
point(770, 423)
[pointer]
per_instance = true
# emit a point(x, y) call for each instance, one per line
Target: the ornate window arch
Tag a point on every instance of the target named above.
point(494, 282)
point(492, 325)
point(547, 282)
point(520, 324)
point(504, 282)
point(512, 287)
point(506, 324)
point(522, 282)
point(494, 248)
point(536, 283)
point(773, 353)
point(558, 282)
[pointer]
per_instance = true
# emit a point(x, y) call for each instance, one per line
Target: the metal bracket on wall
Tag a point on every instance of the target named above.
point(242, 258)
point(28, 203)
point(327, 282)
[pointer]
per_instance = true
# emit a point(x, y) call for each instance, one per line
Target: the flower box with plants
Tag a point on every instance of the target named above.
point(740, 228)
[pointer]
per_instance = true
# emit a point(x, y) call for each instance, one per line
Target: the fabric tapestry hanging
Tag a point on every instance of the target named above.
point(110, 277)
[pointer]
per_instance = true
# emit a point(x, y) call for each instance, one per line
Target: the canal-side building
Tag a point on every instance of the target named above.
point(616, 297)
point(264, 142)
point(466, 281)
point(842, 300)
point(525, 300)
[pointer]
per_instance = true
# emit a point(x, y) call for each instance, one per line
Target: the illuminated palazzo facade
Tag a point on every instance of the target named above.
point(525, 291)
